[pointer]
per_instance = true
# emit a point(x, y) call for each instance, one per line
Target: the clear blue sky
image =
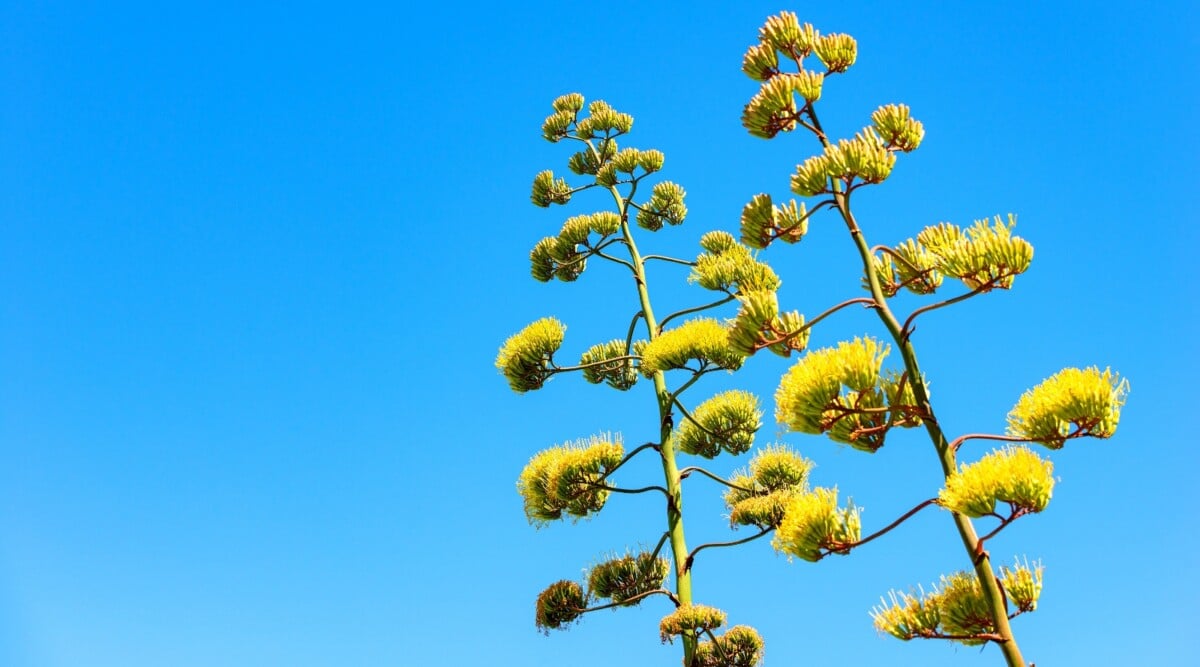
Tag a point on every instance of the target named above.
point(255, 264)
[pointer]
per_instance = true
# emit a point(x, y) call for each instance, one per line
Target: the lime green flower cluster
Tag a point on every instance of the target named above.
point(619, 373)
point(1073, 402)
point(560, 256)
point(813, 525)
point(739, 646)
point(956, 609)
point(760, 324)
point(567, 479)
point(1015, 475)
point(761, 496)
point(702, 339)
point(690, 618)
point(725, 422)
point(763, 221)
point(773, 109)
point(626, 577)
point(984, 256)
point(665, 205)
point(728, 266)
point(526, 356)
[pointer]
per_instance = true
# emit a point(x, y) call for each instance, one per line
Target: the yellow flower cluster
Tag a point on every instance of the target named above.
point(725, 422)
point(690, 618)
point(702, 339)
point(897, 128)
point(603, 119)
point(956, 607)
point(984, 256)
point(810, 397)
point(619, 374)
point(864, 157)
point(1073, 402)
point(813, 522)
point(739, 646)
point(775, 475)
point(763, 222)
point(627, 576)
point(566, 479)
point(560, 256)
point(729, 266)
point(1015, 475)
point(525, 356)
point(1022, 584)
point(759, 322)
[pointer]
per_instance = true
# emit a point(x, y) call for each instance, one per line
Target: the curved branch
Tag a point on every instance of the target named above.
point(615, 489)
point(564, 369)
point(734, 543)
point(632, 327)
point(627, 457)
point(633, 600)
point(813, 322)
point(696, 375)
point(958, 442)
point(717, 478)
point(688, 311)
point(845, 548)
point(906, 328)
point(618, 260)
point(664, 258)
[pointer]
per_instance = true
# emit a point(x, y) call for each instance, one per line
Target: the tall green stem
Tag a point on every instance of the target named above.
point(946, 454)
point(679, 550)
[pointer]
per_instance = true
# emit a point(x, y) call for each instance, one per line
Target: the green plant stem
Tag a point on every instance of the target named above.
point(679, 550)
point(946, 454)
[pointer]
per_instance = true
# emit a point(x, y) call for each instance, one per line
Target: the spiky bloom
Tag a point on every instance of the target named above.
point(565, 479)
point(984, 256)
point(627, 576)
point(1071, 402)
point(778, 468)
point(964, 609)
point(618, 373)
point(1015, 475)
point(702, 339)
point(560, 604)
point(693, 618)
point(739, 646)
point(908, 616)
point(810, 399)
point(1022, 584)
point(765, 511)
point(525, 357)
point(813, 523)
point(725, 422)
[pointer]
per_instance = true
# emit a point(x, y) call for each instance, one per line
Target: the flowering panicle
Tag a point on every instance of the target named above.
point(526, 356)
point(567, 478)
point(725, 422)
point(1073, 402)
point(813, 525)
point(838, 391)
point(619, 373)
point(1015, 475)
point(702, 339)
point(690, 618)
point(763, 222)
point(562, 603)
point(739, 646)
point(627, 577)
point(729, 266)
point(665, 206)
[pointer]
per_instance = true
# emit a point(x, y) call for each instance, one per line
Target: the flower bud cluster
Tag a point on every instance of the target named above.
point(1015, 475)
point(763, 222)
point(566, 479)
point(726, 422)
point(813, 525)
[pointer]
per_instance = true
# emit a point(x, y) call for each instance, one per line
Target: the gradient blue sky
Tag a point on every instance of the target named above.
point(256, 262)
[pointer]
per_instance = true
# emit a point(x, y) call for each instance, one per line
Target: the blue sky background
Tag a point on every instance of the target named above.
point(256, 263)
